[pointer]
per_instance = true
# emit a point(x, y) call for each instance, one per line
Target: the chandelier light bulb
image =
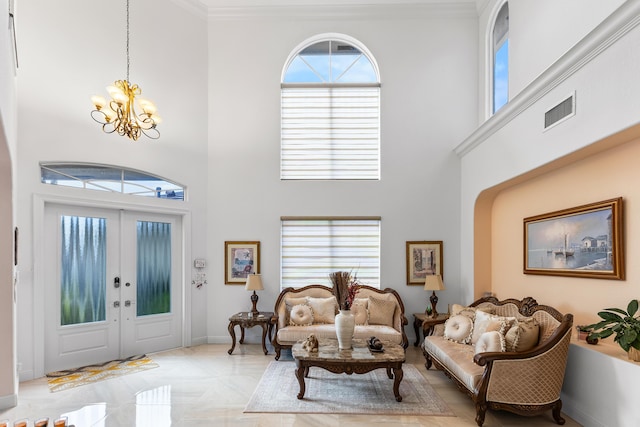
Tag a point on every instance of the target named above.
point(98, 101)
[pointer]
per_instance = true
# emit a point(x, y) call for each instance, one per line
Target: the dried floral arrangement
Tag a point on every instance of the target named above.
point(345, 288)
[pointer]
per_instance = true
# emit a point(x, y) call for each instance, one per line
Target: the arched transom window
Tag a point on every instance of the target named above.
point(330, 112)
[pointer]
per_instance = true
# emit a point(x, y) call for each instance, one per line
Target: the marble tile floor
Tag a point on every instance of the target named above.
point(204, 386)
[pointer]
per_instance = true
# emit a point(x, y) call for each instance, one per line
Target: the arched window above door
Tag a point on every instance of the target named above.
point(113, 179)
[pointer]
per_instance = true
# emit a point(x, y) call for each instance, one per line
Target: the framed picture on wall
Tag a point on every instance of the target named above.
point(424, 258)
point(584, 241)
point(240, 260)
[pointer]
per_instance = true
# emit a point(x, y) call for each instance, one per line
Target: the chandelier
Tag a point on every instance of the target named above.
point(120, 114)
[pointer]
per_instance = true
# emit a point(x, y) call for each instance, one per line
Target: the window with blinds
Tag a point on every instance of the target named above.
point(330, 112)
point(314, 247)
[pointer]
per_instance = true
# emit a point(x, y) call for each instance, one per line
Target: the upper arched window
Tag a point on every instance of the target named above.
point(330, 111)
point(500, 50)
point(110, 178)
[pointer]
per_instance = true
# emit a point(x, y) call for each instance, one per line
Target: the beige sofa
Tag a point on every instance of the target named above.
point(379, 313)
point(494, 371)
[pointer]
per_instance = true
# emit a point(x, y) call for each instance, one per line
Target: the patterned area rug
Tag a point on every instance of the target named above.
point(64, 380)
point(370, 393)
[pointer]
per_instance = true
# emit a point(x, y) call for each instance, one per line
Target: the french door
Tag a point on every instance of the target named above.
point(113, 285)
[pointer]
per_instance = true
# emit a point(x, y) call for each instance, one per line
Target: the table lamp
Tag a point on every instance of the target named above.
point(433, 283)
point(254, 283)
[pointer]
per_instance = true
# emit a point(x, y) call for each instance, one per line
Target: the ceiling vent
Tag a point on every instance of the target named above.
point(561, 112)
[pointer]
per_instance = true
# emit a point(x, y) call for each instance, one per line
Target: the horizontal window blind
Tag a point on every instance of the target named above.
point(313, 248)
point(330, 132)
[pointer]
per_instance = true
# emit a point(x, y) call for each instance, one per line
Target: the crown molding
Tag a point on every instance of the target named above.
point(614, 27)
point(330, 9)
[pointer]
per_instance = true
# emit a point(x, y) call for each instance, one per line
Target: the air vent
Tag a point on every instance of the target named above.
point(561, 112)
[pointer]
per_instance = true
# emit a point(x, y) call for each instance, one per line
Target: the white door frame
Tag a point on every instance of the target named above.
point(39, 202)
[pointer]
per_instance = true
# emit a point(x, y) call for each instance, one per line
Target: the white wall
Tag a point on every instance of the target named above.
point(8, 378)
point(426, 57)
point(70, 50)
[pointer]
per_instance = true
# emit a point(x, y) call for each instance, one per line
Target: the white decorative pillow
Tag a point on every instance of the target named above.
point(523, 335)
point(324, 309)
point(381, 311)
point(289, 303)
point(490, 341)
point(458, 329)
point(484, 322)
point(301, 315)
point(360, 311)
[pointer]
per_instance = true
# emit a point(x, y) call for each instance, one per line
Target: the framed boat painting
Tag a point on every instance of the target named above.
point(584, 241)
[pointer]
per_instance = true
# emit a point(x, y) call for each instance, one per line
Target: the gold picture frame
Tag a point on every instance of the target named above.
point(424, 258)
point(584, 241)
point(240, 260)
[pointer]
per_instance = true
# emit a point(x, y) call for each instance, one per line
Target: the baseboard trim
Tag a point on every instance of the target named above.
point(8, 401)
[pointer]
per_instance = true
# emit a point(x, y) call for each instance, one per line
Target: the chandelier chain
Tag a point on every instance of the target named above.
point(127, 40)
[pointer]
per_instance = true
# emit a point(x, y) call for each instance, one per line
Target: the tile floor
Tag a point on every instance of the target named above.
point(204, 386)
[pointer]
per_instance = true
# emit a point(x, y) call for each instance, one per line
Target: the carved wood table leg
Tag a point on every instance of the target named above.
point(398, 374)
point(241, 334)
point(232, 332)
point(300, 376)
point(417, 325)
point(264, 335)
point(389, 374)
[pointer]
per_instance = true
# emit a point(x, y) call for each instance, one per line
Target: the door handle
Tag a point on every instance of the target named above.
point(116, 282)
point(116, 304)
point(127, 303)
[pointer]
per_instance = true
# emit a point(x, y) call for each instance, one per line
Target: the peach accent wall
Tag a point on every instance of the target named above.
point(609, 174)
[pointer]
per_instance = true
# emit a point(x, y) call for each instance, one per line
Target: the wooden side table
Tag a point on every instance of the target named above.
point(426, 323)
point(245, 320)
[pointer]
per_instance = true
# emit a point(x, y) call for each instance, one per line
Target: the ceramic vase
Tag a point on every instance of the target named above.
point(634, 354)
point(345, 325)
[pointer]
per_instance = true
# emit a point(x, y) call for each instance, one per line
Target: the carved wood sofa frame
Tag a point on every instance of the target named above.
point(522, 371)
point(324, 291)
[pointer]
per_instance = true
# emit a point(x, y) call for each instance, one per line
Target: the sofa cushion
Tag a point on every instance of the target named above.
point(360, 311)
point(292, 334)
point(458, 329)
point(523, 335)
point(490, 341)
point(324, 309)
point(457, 358)
point(289, 304)
point(485, 322)
point(382, 332)
point(300, 315)
point(381, 311)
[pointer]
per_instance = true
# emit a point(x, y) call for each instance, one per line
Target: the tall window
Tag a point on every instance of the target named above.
point(501, 58)
point(330, 112)
point(314, 247)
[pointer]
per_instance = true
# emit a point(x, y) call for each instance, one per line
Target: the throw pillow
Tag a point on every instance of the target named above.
point(381, 311)
point(324, 309)
point(485, 322)
point(301, 315)
point(490, 341)
point(523, 335)
point(289, 303)
point(458, 329)
point(360, 311)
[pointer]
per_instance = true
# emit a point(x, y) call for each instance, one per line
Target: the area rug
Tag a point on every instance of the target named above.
point(370, 393)
point(63, 380)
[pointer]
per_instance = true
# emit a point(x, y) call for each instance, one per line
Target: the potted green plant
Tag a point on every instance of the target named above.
point(624, 324)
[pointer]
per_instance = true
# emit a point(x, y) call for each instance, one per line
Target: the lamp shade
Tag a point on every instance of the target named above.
point(254, 282)
point(433, 283)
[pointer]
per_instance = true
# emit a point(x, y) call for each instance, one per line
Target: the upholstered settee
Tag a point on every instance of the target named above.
point(510, 355)
point(300, 312)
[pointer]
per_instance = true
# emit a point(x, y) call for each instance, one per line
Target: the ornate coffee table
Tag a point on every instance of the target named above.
point(358, 360)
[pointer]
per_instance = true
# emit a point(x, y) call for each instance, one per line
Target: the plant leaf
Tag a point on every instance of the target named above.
point(612, 317)
point(632, 308)
point(617, 310)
